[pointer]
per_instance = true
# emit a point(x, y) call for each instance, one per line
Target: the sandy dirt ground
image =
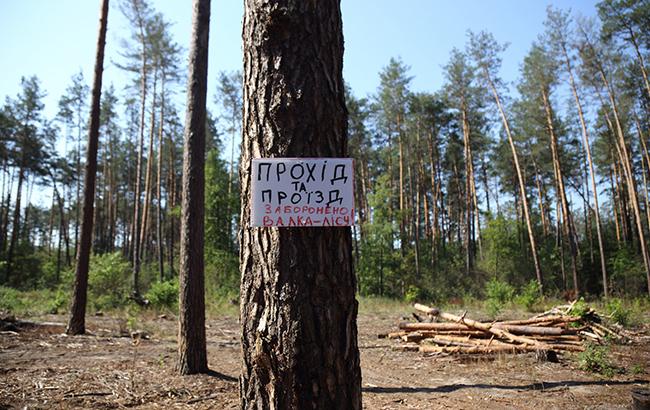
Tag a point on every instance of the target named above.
point(41, 368)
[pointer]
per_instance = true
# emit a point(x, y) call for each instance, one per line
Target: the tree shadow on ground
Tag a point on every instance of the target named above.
point(225, 377)
point(532, 386)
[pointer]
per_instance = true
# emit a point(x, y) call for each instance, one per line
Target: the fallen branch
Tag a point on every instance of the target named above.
point(98, 393)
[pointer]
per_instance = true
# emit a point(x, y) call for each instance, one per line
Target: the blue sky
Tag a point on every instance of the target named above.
point(54, 39)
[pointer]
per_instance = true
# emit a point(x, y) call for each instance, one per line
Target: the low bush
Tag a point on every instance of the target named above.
point(529, 295)
point(108, 281)
point(498, 293)
point(618, 312)
point(579, 308)
point(595, 359)
point(163, 295)
point(59, 302)
point(416, 293)
point(10, 300)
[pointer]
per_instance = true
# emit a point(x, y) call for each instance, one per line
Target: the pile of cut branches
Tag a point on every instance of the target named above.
point(552, 331)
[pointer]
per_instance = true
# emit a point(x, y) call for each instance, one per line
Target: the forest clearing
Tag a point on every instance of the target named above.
point(288, 239)
point(108, 368)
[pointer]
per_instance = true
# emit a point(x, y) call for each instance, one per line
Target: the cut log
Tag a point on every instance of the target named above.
point(544, 334)
point(491, 329)
point(472, 333)
point(410, 347)
point(443, 340)
point(501, 348)
point(411, 326)
point(392, 335)
point(473, 349)
point(412, 337)
point(569, 339)
point(514, 329)
point(452, 342)
point(546, 320)
point(426, 309)
point(605, 330)
point(533, 330)
point(591, 336)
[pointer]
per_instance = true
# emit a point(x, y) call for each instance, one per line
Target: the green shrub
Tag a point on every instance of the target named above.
point(595, 359)
point(627, 272)
point(221, 273)
point(619, 313)
point(529, 295)
point(498, 293)
point(580, 308)
point(415, 293)
point(108, 281)
point(10, 300)
point(163, 294)
point(59, 302)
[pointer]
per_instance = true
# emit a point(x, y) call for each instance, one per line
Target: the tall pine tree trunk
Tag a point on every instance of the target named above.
point(645, 171)
point(5, 201)
point(298, 309)
point(520, 180)
point(469, 220)
point(135, 227)
point(624, 156)
point(540, 198)
point(434, 199)
point(159, 214)
point(148, 179)
point(594, 187)
point(76, 325)
point(15, 226)
point(615, 205)
point(171, 201)
point(192, 355)
point(402, 203)
point(566, 212)
point(629, 175)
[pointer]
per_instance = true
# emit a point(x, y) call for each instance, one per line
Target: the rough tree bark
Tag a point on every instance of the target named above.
point(298, 310)
point(192, 356)
point(76, 325)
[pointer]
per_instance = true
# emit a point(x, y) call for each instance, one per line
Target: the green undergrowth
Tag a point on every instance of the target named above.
point(33, 302)
point(500, 302)
point(369, 305)
point(163, 299)
point(597, 359)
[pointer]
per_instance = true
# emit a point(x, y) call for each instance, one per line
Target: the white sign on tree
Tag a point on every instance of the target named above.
point(302, 192)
